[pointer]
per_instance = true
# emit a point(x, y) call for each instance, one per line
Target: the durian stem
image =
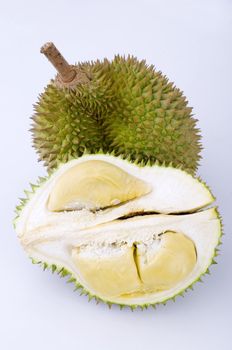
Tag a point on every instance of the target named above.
point(65, 70)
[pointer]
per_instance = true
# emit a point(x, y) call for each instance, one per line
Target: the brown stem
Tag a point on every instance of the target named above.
point(66, 72)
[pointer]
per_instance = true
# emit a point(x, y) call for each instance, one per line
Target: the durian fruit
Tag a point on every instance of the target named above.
point(125, 234)
point(123, 106)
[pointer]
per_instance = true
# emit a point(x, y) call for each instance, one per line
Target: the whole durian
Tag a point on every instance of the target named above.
point(123, 106)
point(123, 233)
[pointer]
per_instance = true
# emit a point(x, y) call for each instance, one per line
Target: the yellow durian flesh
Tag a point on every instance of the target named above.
point(122, 270)
point(108, 270)
point(162, 267)
point(94, 185)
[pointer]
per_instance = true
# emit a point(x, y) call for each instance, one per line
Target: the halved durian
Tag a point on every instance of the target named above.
point(128, 234)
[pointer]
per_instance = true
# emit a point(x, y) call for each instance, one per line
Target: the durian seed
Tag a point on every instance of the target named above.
point(95, 185)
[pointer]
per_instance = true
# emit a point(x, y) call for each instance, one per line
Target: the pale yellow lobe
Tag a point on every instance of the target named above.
point(123, 270)
point(94, 185)
point(162, 267)
point(108, 270)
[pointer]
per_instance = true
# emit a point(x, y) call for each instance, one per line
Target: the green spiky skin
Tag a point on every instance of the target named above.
point(127, 107)
point(68, 122)
point(151, 119)
point(64, 272)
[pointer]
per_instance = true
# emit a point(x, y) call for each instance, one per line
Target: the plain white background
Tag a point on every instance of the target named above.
point(190, 41)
